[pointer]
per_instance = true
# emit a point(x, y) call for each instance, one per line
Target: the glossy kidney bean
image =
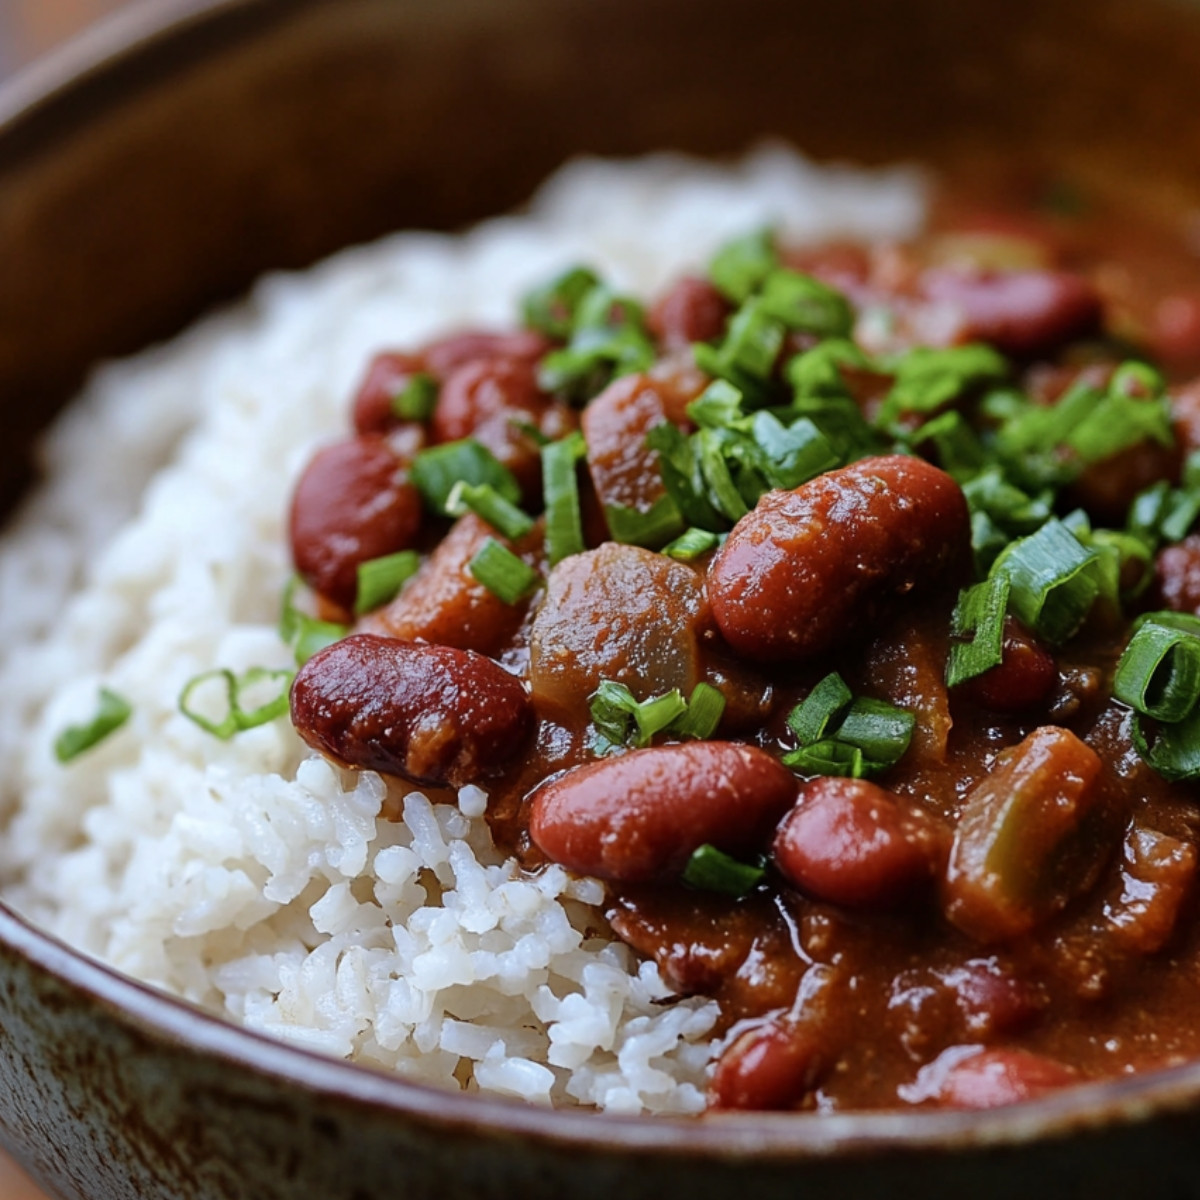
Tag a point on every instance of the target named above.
point(446, 605)
point(354, 502)
point(691, 310)
point(1177, 575)
point(768, 1068)
point(387, 375)
point(480, 389)
point(850, 842)
point(1023, 678)
point(992, 1078)
point(808, 568)
point(639, 816)
point(1019, 312)
point(430, 714)
point(624, 469)
point(447, 354)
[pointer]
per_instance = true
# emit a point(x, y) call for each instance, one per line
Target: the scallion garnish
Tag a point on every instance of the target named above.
point(484, 501)
point(305, 634)
point(926, 378)
point(622, 720)
point(551, 308)
point(1159, 672)
point(417, 399)
point(560, 487)
point(505, 575)
point(841, 735)
point(978, 623)
point(112, 711)
point(232, 692)
point(705, 708)
point(805, 304)
point(1053, 580)
point(712, 870)
point(435, 472)
point(649, 527)
point(693, 543)
point(739, 267)
point(379, 579)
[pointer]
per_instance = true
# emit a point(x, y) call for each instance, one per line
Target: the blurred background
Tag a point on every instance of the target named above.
point(30, 27)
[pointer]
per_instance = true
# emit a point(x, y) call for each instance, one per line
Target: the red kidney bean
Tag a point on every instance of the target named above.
point(850, 842)
point(692, 310)
point(353, 503)
point(624, 469)
point(1018, 312)
point(1023, 678)
point(808, 568)
point(430, 714)
point(387, 375)
point(1177, 569)
point(446, 605)
point(769, 1068)
point(991, 999)
point(481, 389)
point(639, 816)
point(449, 353)
point(993, 1078)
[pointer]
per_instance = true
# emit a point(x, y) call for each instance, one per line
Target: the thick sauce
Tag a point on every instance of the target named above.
point(987, 894)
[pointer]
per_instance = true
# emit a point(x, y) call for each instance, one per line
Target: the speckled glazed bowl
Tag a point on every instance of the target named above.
point(162, 163)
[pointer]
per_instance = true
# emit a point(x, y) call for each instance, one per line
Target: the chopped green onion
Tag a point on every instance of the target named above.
point(236, 719)
point(1159, 672)
point(112, 711)
point(693, 543)
point(680, 470)
point(928, 378)
point(622, 720)
point(1175, 752)
point(560, 487)
point(379, 579)
point(417, 399)
point(722, 490)
point(753, 340)
point(705, 708)
point(880, 730)
point(740, 266)
point(827, 701)
point(712, 870)
point(841, 735)
point(435, 472)
point(306, 635)
point(651, 527)
point(1053, 580)
point(484, 501)
point(806, 304)
point(551, 308)
point(792, 454)
point(506, 576)
point(719, 406)
point(979, 617)
point(817, 372)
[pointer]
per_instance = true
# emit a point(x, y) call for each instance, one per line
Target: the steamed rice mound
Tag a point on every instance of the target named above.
point(249, 876)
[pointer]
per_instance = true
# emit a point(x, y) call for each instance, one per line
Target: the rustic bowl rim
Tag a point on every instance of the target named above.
point(110, 54)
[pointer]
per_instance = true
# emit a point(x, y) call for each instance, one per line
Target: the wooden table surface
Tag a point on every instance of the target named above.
point(29, 28)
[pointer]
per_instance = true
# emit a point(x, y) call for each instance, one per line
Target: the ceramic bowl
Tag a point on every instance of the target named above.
point(160, 164)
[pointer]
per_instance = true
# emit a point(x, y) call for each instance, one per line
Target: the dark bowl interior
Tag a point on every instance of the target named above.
point(160, 165)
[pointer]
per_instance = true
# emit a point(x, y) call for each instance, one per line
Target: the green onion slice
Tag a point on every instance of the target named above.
point(650, 527)
point(623, 720)
point(1159, 672)
point(806, 304)
point(112, 711)
point(505, 575)
point(827, 701)
point(693, 543)
point(435, 472)
point(379, 579)
point(740, 266)
point(978, 621)
point(1175, 751)
point(1054, 580)
point(880, 730)
point(417, 399)
point(551, 308)
point(305, 634)
point(705, 708)
point(712, 870)
point(237, 688)
point(484, 501)
point(560, 487)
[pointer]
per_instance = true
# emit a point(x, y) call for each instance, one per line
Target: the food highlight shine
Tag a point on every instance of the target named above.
point(776, 689)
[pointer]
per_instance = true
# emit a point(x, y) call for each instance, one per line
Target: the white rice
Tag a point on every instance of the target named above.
point(248, 876)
